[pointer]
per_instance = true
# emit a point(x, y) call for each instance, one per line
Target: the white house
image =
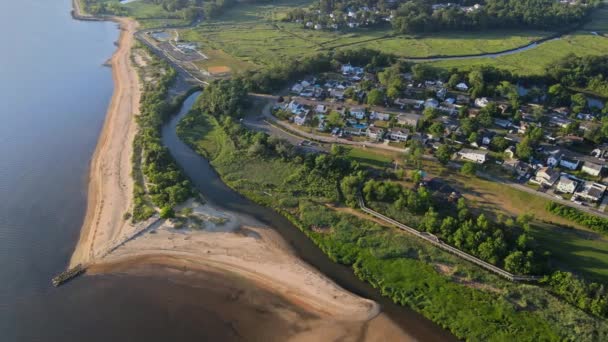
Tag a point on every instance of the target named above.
point(431, 103)
point(462, 86)
point(569, 163)
point(398, 134)
point(592, 169)
point(297, 88)
point(375, 133)
point(554, 157)
point(301, 118)
point(321, 109)
point(481, 102)
point(566, 185)
point(546, 176)
point(358, 112)
point(477, 156)
point(295, 107)
point(408, 119)
point(380, 116)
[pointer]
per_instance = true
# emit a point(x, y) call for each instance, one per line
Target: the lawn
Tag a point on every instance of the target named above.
point(575, 250)
point(370, 158)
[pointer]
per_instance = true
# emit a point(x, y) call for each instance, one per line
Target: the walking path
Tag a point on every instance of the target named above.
point(428, 237)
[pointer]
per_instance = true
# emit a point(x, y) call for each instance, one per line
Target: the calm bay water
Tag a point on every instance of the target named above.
point(54, 92)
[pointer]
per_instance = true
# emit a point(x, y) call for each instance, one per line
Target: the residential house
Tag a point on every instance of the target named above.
point(295, 107)
point(481, 102)
point(518, 167)
point(591, 191)
point(560, 121)
point(441, 93)
point(297, 88)
point(502, 123)
point(354, 131)
point(375, 133)
point(478, 156)
point(592, 169)
point(409, 119)
point(546, 176)
point(337, 94)
point(462, 86)
point(566, 185)
point(554, 157)
point(379, 116)
point(358, 112)
point(301, 118)
point(463, 99)
point(569, 163)
point(398, 134)
point(431, 103)
point(321, 109)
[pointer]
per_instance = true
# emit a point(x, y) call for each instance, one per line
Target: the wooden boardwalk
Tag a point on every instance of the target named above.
point(430, 238)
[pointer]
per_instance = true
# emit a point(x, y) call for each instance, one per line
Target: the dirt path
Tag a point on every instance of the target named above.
point(110, 184)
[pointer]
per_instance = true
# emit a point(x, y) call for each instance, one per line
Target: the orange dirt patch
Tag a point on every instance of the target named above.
point(218, 70)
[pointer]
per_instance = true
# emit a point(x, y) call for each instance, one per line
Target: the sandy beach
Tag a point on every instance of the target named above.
point(110, 185)
point(212, 241)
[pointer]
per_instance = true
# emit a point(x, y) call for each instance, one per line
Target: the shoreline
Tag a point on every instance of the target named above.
point(110, 186)
point(257, 254)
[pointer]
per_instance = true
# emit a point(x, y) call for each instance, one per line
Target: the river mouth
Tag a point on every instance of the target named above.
point(209, 184)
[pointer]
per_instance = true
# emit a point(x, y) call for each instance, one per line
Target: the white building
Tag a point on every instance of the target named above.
point(546, 176)
point(569, 163)
point(375, 133)
point(566, 185)
point(358, 112)
point(462, 86)
point(481, 102)
point(478, 156)
point(592, 169)
point(398, 134)
point(379, 116)
point(408, 119)
point(591, 191)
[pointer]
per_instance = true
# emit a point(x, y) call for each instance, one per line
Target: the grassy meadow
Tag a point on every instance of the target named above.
point(255, 34)
point(455, 294)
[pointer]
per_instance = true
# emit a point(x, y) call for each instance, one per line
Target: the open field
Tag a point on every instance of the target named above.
point(534, 61)
point(254, 33)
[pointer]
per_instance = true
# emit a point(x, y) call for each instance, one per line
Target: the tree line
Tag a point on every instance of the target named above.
point(166, 185)
point(419, 16)
point(588, 220)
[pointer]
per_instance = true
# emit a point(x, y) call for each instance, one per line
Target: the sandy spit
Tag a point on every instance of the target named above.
point(110, 185)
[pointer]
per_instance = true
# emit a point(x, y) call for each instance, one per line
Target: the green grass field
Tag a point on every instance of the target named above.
point(255, 34)
point(534, 61)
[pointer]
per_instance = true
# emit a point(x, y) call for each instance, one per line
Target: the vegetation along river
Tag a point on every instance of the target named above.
point(220, 195)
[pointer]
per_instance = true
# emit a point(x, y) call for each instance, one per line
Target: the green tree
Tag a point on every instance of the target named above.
point(375, 97)
point(167, 212)
point(468, 168)
point(524, 149)
point(444, 154)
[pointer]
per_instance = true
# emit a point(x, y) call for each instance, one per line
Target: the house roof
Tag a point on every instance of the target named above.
point(593, 166)
point(471, 151)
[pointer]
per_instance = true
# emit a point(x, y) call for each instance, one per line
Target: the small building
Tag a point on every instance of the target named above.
point(478, 156)
point(502, 123)
point(462, 86)
point(431, 103)
point(409, 119)
point(592, 169)
point(379, 116)
point(398, 134)
point(354, 131)
point(566, 185)
point(375, 133)
point(301, 118)
point(321, 109)
point(358, 112)
point(546, 176)
point(591, 191)
point(481, 102)
point(518, 167)
point(569, 163)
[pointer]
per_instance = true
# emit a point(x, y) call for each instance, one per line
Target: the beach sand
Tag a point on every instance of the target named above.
point(110, 184)
point(320, 309)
